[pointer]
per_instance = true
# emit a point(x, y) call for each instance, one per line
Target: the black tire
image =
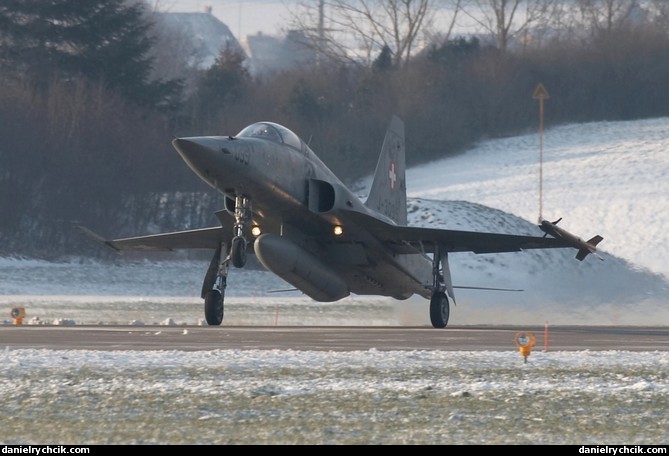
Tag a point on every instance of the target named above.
point(238, 252)
point(213, 308)
point(439, 310)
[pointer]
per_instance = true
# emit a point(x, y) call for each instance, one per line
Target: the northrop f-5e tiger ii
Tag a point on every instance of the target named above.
point(283, 205)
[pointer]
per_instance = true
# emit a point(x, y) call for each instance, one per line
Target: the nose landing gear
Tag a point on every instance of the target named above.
point(215, 281)
point(238, 245)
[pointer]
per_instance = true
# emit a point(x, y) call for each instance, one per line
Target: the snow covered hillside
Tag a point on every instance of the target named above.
point(608, 178)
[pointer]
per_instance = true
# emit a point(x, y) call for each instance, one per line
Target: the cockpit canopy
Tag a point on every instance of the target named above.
point(273, 132)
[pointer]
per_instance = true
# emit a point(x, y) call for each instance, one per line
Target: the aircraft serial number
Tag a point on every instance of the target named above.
point(243, 156)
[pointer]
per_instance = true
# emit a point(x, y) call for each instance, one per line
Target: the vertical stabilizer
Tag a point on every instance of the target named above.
point(388, 194)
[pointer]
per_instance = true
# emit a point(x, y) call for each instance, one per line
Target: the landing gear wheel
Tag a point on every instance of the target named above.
point(439, 310)
point(213, 308)
point(238, 252)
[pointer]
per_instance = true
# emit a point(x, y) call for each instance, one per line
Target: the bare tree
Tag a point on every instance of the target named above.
point(660, 11)
point(605, 16)
point(509, 19)
point(360, 29)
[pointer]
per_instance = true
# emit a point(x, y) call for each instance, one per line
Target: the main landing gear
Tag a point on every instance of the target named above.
point(213, 307)
point(439, 309)
point(213, 287)
point(215, 281)
point(439, 306)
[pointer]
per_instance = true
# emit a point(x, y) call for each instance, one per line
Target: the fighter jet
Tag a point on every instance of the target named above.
point(286, 207)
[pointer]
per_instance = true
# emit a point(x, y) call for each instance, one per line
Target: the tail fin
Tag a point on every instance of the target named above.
point(592, 243)
point(388, 194)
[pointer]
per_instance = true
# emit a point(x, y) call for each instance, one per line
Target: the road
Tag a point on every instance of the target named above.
point(330, 338)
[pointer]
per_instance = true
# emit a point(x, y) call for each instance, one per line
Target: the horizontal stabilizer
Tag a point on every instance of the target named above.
point(487, 288)
point(97, 238)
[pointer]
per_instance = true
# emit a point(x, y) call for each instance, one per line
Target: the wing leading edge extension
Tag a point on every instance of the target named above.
point(406, 239)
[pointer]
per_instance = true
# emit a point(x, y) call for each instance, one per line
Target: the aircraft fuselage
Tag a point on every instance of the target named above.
point(303, 224)
point(295, 196)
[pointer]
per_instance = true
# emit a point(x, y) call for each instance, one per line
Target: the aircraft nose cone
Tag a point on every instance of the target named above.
point(202, 154)
point(191, 149)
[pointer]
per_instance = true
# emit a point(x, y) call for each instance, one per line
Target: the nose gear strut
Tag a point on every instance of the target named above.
point(243, 216)
point(215, 281)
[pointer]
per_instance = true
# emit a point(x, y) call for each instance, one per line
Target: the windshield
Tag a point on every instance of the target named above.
point(273, 132)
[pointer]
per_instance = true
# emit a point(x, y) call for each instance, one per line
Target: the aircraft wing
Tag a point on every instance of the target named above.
point(202, 238)
point(407, 239)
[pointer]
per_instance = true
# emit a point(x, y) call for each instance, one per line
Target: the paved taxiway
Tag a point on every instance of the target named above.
point(329, 338)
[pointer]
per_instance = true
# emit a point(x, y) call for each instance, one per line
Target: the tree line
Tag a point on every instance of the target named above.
point(87, 116)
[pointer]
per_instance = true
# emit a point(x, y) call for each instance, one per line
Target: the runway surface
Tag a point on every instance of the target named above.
point(341, 339)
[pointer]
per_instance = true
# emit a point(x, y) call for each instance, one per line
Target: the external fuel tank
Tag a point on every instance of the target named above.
point(300, 268)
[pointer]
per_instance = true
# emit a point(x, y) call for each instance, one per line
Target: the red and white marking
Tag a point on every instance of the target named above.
point(392, 175)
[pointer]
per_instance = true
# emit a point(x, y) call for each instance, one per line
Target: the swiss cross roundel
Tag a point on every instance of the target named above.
point(392, 175)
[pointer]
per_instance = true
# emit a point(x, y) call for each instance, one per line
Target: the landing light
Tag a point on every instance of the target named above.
point(338, 230)
point(256, 231)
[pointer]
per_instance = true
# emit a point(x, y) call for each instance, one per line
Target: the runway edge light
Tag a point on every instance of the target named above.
point(525, 341)
point(18, 314)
